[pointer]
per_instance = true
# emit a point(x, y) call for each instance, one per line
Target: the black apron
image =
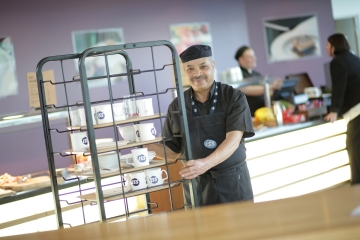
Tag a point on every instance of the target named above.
point(229, 181)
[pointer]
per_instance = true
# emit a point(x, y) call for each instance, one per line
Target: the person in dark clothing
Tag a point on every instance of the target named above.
point(254, 93)
point(345, 100)
point(219, 119)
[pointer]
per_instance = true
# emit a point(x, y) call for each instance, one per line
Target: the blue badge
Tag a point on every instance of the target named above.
point(210, 144)
point(101, 115)
point(135, 181)
point(141, 158)
point(154, 180)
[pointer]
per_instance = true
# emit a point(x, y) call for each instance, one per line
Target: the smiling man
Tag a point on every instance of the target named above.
point(219, 119)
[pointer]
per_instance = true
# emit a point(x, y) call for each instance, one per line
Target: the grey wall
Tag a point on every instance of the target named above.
point(258, 10)
point(41, 28)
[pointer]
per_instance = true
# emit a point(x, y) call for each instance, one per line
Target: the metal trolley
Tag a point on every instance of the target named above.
point(104, 52)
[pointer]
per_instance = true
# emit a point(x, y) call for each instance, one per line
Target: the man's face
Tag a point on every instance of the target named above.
point(248, 59)
point(200, 73)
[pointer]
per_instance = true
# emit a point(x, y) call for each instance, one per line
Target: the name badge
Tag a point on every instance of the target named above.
point(208, 143)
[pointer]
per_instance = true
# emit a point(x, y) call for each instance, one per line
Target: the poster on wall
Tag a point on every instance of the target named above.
point(185, 35)
point(50, 92)
point(96, 66)
point(8, 79)
point(292, 38)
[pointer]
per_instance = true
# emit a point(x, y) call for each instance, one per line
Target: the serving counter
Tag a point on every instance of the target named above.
point(284, 162)
point(329, 214)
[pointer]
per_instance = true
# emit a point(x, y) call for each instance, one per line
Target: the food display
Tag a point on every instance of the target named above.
point(7, 178)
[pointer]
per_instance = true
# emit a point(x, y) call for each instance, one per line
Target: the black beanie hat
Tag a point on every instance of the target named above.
point(240, 52)
point(195, 52)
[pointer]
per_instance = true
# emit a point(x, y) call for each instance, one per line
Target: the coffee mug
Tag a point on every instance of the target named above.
point(75, 117)
point(127, 133)
point(145, 107)
point(137, 180)
point(83, 117)
point(140, 157)
point(79, 141)
point(147, 131)
point(137, 133)
point(154, 176)
point(103, 114)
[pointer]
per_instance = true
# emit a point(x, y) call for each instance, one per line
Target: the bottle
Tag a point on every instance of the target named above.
point(278, 113)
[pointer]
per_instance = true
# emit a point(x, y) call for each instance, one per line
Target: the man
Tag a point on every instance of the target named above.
point(219, 120)
point(254, 93)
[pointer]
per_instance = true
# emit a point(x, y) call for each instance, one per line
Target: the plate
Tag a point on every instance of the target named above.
point(281, 47)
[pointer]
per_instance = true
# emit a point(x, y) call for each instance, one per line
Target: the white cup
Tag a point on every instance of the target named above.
point(140, 157)
point(75, 117)
point(108, 160)
point(147, 131)
point(79, 141)
point(119, 111)
point(137, 180)
point(103, 114)
point(83, 118)
point(154, 176)
point(145, 107)
point(127, 133)
point(137, 133)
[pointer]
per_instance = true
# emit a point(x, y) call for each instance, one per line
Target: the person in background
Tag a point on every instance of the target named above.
point(254, 93)
point(345, 99)
point(219, 120)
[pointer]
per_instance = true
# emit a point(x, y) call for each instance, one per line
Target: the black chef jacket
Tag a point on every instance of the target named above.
point(233, 105)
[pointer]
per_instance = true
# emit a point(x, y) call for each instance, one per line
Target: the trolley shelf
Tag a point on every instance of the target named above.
point(110, 149)
point(116, 193)
point(113, 172)
point(130, 120)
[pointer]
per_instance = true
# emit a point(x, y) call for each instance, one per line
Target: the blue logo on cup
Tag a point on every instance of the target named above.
point(141, 158)
point(135, 182)
point(153, 131)
point(84, 140)
point(154, 179)
point(101, 115)
point(208, 143)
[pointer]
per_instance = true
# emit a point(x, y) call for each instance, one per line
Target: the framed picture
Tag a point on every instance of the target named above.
point(8, 79)
point(292, 38)
point(96, 66)
point(186, 34)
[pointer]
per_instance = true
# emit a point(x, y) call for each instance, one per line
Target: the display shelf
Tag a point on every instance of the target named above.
point(124, 170)
point(97, 175)
point(117, 193)
point(130, 120)
point(111, 149)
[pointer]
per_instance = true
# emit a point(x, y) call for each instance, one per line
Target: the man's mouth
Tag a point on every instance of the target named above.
point(198, 79)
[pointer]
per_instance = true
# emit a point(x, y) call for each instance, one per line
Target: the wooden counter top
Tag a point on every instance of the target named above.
point(321, 215)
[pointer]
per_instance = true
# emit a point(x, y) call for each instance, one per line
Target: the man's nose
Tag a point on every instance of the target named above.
point(197, 72)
